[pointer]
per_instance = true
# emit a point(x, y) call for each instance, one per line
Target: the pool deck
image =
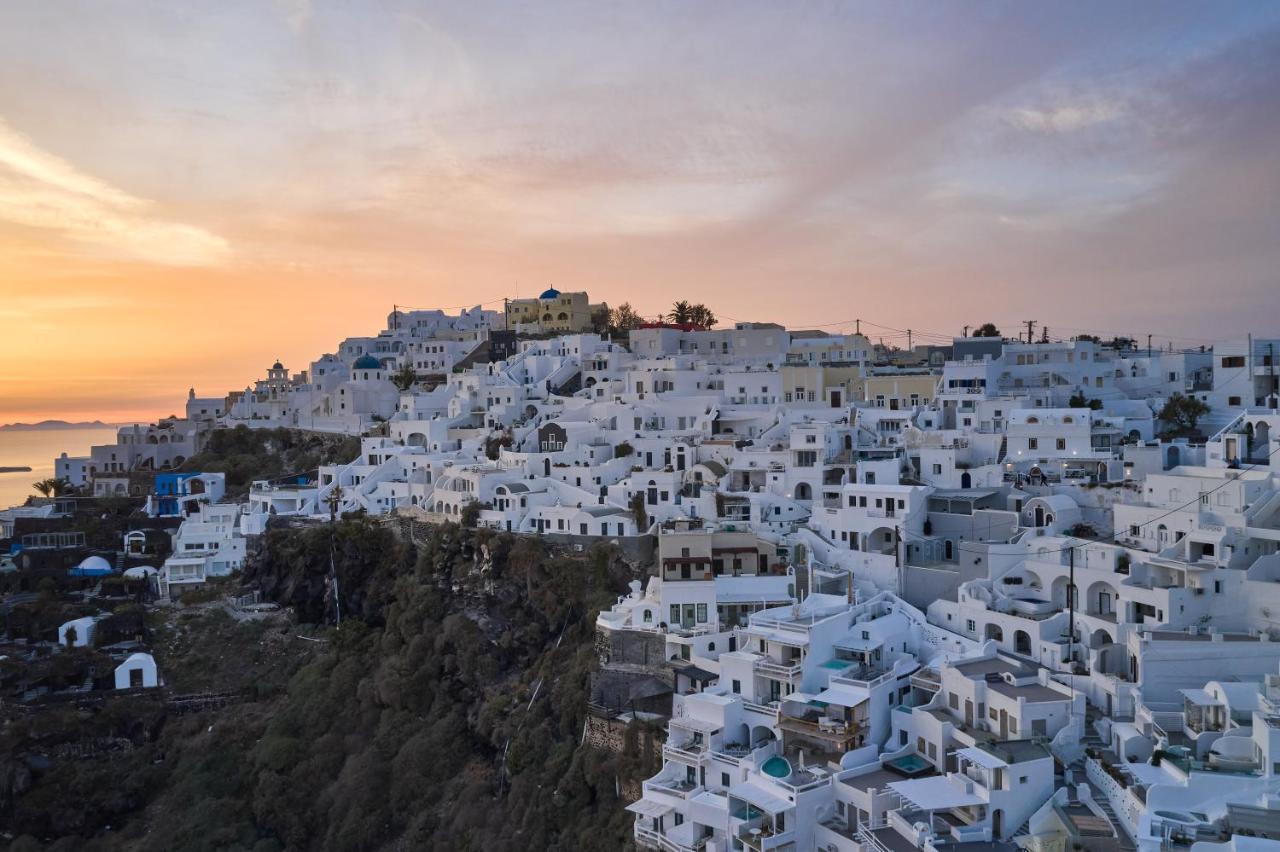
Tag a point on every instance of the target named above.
point(879, 778)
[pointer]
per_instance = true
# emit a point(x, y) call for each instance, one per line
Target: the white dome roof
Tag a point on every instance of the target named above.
point(94, 563)
point(140, 571)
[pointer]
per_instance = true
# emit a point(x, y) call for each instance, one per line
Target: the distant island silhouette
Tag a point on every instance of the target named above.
point(52, 425)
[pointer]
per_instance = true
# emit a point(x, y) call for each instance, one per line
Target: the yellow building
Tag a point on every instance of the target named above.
point(899, 391)
point(832, 386)
point(553, 311)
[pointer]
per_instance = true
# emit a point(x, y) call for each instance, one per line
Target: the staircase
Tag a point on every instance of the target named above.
point(1091, 740)
point(1004, 449)
point(479, 355)
point(1122, 836)
point(569, 386)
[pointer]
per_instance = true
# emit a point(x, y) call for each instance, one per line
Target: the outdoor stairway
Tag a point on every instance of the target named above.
point(1091, 740)
point(1122, 836)
point(1004, 449)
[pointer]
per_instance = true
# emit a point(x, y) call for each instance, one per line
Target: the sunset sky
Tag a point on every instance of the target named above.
point(190, 190)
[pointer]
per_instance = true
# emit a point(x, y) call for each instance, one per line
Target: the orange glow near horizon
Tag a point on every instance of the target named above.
point(189, 192)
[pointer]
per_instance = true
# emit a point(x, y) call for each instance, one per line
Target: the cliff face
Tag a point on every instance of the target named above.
point(446, 712)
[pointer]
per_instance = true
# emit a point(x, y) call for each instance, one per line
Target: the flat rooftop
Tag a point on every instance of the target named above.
point(997, 665)
point(1034, 693)
point(1016, 751)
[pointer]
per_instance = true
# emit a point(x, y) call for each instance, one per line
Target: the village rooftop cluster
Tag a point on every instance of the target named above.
point(985, 593)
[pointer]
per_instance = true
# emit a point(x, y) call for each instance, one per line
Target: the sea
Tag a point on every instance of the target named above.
point(37, 448)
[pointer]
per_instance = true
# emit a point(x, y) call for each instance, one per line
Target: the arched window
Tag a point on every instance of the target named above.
point(1033, 419)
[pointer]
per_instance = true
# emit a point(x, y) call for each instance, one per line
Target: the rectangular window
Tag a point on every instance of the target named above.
point(1062, 443)
point(1033, 444)
point(702, 613)
point(675, 613)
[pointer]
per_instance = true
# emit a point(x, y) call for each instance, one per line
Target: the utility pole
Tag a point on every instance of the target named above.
point(1031, 330)
point(909, 347)
point(966, 331)
point(857, 326)
point(1071, 609)
point(1148, 345)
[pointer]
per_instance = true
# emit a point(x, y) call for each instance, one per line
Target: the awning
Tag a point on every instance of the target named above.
point(1199, 697)
point(844, 695)
point(760, 797)
point(646, 808)
point(691, 671)
point(647, 688)
point(982, 757)
point(936, 793)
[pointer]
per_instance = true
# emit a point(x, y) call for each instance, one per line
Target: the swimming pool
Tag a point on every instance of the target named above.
point(909, 765)
point(776, 767)
point(836, 664)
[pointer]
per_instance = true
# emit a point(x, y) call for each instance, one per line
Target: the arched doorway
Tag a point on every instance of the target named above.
point(997, 824)
point(966, 481)
point(546, 467)
point(995, 632)
point(804, 492)
point(1173, 458)
point(1022, 642)
point(1039, 516)
point(1260, 446)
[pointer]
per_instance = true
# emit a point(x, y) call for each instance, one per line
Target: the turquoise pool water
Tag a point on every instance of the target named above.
point(836, 664)
point(911, 764)
point(776, 767)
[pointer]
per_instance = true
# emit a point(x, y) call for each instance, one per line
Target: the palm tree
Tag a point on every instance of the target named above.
point(681, 313)
point(51, 487)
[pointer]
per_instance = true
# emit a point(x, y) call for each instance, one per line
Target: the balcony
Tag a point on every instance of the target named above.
point(674, 787)
point(836, 734)
point(763, 837)
point(647, 838)
point(689, 751)
point(927, 679)
point(778, 671)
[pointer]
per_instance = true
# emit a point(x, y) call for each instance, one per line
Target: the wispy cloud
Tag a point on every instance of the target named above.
point(41, 190)
point(1067, 117)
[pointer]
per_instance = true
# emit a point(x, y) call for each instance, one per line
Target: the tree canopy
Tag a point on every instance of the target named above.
point(1182, 414)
